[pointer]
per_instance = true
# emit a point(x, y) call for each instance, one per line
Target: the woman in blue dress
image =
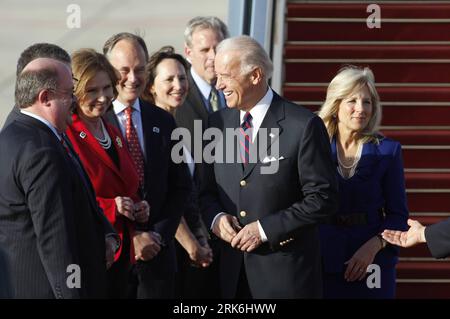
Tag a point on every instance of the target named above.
point(357, 263)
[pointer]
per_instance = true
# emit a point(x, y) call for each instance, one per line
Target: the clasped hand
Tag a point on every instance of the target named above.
point(139, 211)
point(245, 238)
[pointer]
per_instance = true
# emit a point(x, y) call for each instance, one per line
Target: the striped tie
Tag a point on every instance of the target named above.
point(245, 138)
point(133, 144)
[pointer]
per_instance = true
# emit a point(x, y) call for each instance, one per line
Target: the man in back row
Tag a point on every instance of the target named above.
point(201, 37)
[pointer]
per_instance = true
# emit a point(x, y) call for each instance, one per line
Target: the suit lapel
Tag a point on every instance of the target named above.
point(196, 99)
point(151, 130)
point(112, 119)
point(268, 135)
point(231, 121)
point(86, 137)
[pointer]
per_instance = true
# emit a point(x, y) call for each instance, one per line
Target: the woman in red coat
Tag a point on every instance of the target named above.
point(105, 157)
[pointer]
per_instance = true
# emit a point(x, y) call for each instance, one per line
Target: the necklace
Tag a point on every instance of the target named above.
point(347, 171)
point(104, 142)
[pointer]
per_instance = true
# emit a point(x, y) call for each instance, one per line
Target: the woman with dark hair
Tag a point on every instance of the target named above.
point(105, 156)
point(167, 87)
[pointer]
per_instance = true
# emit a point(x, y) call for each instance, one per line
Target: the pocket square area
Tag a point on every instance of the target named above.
point(269, 159)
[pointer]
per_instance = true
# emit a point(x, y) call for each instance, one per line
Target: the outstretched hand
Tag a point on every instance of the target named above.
point(415, 235)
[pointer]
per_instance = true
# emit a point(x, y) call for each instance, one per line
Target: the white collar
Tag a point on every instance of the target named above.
point(119, 107)
point(41, 119)
point(203, 86)
point(259, 111)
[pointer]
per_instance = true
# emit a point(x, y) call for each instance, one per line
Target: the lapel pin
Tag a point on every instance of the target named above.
point(83, 135)
point(155, 129)
point(272, 135)
point(119, 141)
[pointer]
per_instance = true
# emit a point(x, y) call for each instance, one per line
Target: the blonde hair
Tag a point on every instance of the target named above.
point(86, 63)
point(349, 79)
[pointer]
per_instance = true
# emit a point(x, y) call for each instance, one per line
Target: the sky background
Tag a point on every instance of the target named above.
point(24, 22)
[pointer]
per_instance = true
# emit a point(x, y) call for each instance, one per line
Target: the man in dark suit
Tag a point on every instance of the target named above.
point(202, 35)
point(53, 232)
point(166, 185)
point(37, 50)
point(266, 206)
point(5, 286)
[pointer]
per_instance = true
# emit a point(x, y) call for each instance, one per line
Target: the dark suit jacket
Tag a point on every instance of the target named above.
point(48, 219)
point(109, 180)
point(167, 185)
point(11, 117)
point(192, 109)
point(5, 286)
point(438, 239)
point(288, 203)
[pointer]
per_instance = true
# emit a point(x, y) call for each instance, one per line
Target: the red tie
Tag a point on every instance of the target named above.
point(133, 145)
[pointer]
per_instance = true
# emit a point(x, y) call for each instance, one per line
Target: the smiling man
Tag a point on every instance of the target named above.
point(201, 37)
point(267, 222)
point(164, 184)
point(49, 218)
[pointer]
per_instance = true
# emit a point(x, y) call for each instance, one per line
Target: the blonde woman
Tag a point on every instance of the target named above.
point(372, 195)
point(105, 157)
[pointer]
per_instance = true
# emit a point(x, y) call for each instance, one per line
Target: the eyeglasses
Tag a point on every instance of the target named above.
point(65, 93)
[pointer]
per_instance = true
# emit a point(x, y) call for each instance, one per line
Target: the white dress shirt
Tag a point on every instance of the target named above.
point(41, 119)
point(119, 109)
point(258, 113)
point(203, 86)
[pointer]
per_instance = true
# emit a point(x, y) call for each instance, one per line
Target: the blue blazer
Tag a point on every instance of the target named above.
point(377, 189)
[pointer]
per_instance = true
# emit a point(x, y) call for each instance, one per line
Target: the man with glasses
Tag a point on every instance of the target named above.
point(35, 51)
point(53, 233)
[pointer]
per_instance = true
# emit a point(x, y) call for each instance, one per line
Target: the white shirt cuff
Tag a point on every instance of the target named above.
point(214, 220)
point(262, 233)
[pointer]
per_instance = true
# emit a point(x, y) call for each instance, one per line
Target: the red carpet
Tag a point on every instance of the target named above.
point(413, 78)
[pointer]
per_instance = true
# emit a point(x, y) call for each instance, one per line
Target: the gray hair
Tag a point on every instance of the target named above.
point(251, 54)
point(112, 41)
point(201, 23)
point(30, 83)
point(349, 79)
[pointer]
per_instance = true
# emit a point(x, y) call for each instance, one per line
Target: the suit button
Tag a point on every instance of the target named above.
point(243, 183)
point(243, 213)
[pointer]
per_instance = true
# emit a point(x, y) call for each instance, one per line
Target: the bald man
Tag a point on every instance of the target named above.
point(53, 233)
point(33, 52)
